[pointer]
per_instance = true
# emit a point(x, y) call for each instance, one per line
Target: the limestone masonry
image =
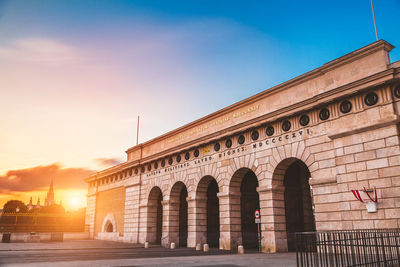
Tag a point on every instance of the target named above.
point(294, 152)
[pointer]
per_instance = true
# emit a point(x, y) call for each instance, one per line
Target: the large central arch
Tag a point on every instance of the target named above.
point(293, 208)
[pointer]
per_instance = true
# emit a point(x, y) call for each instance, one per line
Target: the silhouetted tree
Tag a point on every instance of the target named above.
point(14, 206)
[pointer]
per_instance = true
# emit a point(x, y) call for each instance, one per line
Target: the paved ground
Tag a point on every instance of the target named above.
point(106, 253)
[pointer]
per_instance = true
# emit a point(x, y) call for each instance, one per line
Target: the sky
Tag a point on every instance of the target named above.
point(74, 75)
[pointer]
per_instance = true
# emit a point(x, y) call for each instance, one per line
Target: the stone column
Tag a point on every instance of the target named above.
point(273, 221)
point(91, 214)
point(230, 221)
point(170, 232)
point(193, 223)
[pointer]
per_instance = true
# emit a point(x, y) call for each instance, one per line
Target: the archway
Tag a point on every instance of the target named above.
point(207, 212)
point(299, 213)
point(109, 227)
point(179, 214)
point(154, 216)
point(244, 183)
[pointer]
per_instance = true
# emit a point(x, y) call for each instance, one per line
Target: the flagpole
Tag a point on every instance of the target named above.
point(137, 131)
point(373, 14)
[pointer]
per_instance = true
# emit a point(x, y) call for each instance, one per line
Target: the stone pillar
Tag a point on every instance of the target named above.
point(192, 223)
point(199, 224)
point(230, 221)
point(170, 223)
point(90, 214)
point(273, 221)
point(132, 213)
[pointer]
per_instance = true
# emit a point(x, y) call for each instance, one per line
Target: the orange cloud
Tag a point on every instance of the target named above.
point(38, 178)
point(107, 162)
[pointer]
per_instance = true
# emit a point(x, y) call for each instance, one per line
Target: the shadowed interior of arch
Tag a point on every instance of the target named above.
point(207, 209)
point(298, 202)
point(154, 216)
point(244, 230)
point(178, 217)
point(109, 227)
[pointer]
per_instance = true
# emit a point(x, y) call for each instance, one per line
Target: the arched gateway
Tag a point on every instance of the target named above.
point(294, 152)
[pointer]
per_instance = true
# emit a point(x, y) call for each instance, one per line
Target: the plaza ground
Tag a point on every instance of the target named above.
point(107, 253)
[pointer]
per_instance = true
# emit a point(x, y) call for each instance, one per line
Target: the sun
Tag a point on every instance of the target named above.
point(74, 201)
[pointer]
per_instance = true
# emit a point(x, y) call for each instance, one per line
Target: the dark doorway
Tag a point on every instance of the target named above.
point(298, 203)
point(212, 214)
point(183, 218)
point(109, 227)
point(249, 202)
point(159, 219)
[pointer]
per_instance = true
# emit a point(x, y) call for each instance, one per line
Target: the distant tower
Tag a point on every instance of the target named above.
point(30, 205)
point(50, 195)
point(38, 203)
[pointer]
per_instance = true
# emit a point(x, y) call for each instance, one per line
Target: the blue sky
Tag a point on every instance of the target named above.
point(74, 75)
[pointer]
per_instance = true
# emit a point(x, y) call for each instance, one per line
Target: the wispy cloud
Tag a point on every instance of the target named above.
point(38, 178)
point(39, 51)
point(107, 162)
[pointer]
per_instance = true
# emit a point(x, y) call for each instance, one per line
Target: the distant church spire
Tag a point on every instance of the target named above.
point(50, 195)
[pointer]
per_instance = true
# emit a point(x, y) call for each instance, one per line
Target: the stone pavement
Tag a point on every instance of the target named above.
point(107, 253)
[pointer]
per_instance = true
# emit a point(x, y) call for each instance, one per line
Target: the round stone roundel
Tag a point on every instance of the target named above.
point(255, 135)
point(324, 114)
point(270, 130)
point(371, 99)
point(304, 120)
point(345, 106)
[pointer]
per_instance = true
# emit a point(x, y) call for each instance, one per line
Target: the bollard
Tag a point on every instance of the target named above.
point(206, 247)
point(240, 249)
point(198, 247)
point(172, 245)
point(146, 244)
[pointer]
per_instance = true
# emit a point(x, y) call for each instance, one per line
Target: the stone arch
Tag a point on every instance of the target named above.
point(109, 224)
point(208, 170)
point(154, 216)
point(206, 212)
point(290, 173)
point(178, 214)
point(240, 209)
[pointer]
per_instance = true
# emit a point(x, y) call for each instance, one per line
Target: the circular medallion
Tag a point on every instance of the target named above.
point(286, 125)
point(371, 99)
point(136, 170)
point(270, 130)
point(149, 167)
point(187, 155)
point(163, 163)
point(156, 165)
point(217, 147)
point(241, 139)
point(142, 169)
point(178, 158)
point(324, 114)
point(196, 152)
point(304, 120)
point(255, 135)
point(345, 106)
point(228, 143)
point(170, 161)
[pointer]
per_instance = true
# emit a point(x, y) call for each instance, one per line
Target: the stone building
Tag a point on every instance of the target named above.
point(294, 151)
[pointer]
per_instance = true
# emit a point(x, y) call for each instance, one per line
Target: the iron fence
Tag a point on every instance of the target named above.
point(373, 248)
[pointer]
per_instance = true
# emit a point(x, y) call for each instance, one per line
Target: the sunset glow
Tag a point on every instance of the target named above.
point(73, 82)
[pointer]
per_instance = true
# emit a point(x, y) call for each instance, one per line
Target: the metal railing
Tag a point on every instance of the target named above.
point(373, 248)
